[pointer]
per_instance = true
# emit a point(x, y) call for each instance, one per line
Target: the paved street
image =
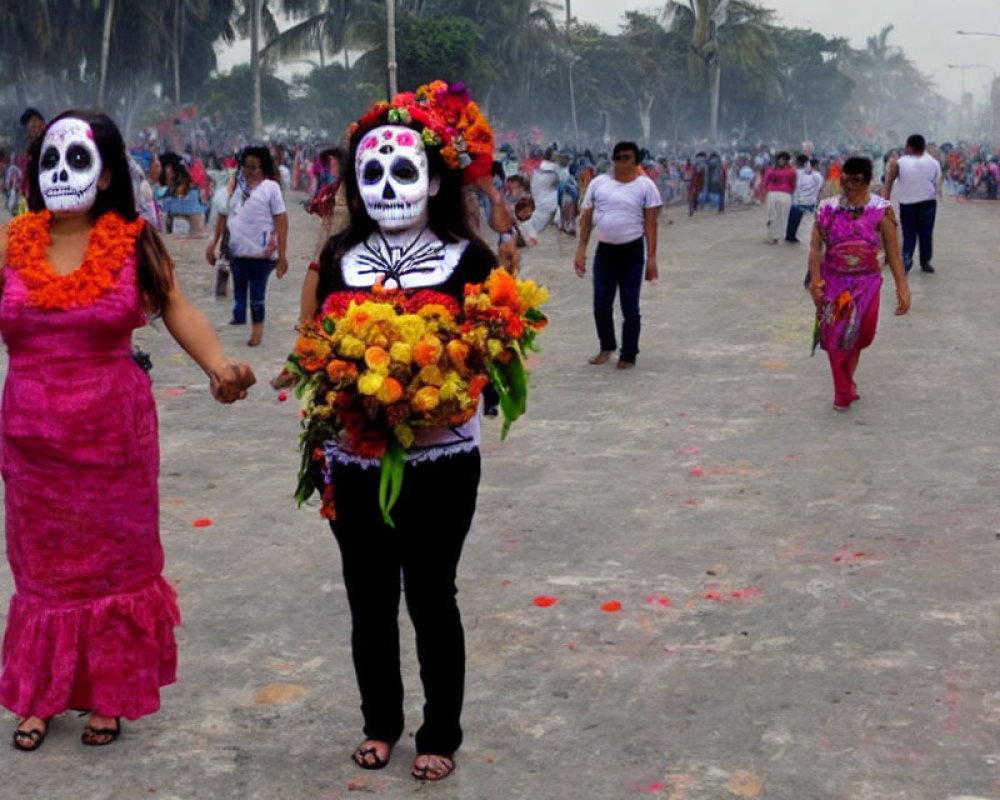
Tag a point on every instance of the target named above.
point(754, 596)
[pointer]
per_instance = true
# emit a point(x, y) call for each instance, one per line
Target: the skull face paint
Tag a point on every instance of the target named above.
point(393, 177)
point(69, 167)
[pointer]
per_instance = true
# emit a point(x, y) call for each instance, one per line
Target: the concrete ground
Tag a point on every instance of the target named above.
point(808, 600)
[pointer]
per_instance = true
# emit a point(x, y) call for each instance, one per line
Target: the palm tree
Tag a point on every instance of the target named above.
point(726, 33)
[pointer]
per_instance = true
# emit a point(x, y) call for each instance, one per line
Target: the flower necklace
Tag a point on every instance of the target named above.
point(111, 243)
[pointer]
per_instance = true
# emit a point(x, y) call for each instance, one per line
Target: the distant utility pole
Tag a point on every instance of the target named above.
point(572, 94)
point(390, 40)
point(258, 117)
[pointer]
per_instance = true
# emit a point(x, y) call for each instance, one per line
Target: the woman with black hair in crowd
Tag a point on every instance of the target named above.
point(258, 236)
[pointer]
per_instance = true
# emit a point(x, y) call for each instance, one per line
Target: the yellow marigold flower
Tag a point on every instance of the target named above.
point(426, 399)
point(432, 310)
point(370, 382)
point(431, 375)
point(404, 435)
point(351, 347)
point(401, 352)
point(453, 386)
point(494, 347)
point(410, 328)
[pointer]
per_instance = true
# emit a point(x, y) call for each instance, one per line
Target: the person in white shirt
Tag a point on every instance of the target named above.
point(916, 179)
point(808, 183)
point(258, 236)
point(624, 205)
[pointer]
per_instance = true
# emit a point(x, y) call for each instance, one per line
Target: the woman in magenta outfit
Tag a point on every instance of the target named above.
point(91, 621)
point(845, 276)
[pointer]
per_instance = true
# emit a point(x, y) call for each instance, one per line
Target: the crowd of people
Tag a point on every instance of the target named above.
point(84, 264)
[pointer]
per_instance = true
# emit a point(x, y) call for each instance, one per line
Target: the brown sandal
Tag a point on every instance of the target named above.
point(99, 737)
point(428, 772)
point(30, 740)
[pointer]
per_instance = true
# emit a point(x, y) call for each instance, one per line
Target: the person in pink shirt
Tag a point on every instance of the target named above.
point(778, 186)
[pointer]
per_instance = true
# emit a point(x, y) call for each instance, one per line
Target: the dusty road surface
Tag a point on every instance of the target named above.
point(754, 596)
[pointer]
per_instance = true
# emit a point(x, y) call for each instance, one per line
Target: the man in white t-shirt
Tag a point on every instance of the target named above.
point(808, 183)
point(624, 205)
point(916, 178)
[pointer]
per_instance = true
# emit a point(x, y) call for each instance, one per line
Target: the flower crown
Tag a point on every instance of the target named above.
point(450, 120)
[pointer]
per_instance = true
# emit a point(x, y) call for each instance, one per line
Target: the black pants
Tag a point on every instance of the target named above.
point(432, 519)
point(917, 222)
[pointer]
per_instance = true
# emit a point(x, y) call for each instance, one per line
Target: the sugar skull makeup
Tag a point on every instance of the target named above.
point(393, 177)
point(69, 167)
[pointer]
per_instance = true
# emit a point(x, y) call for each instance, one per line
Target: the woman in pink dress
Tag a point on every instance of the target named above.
point(90, 624)
point(845, 275)
point(778, 186)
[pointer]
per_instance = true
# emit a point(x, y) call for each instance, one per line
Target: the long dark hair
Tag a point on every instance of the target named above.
point(154, 267)
point(446, 210)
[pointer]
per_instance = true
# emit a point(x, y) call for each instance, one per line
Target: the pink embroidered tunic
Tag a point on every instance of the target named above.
point(848, 315)
point(91, 621)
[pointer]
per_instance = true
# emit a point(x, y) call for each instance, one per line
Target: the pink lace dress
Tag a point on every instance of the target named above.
point(91, 621)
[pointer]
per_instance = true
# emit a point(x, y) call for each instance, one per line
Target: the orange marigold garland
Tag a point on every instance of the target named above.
point(112, 242)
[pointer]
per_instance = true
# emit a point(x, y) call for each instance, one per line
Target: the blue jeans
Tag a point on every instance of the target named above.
point(619, 268)
point(917, 220)
point(795, 214)
point(252, 274)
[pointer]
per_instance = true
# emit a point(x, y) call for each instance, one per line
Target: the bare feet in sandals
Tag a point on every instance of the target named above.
point(372, 754)
point(30, 734)
point(429, 767)
point(101, 731)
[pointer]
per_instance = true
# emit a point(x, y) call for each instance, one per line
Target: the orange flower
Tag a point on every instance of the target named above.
point(312, 353)
point(458, 352)
point(111, 244)
point(477, 384)
point(427, 351)
point(426, 399)
point(503, 290)
point(342, 372)
point(390, 392)
point(377, 358)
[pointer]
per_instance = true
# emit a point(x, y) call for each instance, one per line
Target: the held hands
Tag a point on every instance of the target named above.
point(231, 380)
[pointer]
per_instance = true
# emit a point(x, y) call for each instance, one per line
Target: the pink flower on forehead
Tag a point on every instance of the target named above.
point(369, 143)
point(90, 132)
point(406, 139)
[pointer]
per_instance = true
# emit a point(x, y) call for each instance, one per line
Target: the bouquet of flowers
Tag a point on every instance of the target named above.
point(376, 365)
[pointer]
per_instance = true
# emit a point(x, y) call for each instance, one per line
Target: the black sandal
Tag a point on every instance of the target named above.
point(30, 740)
point(423, 773)
point(367, 757)
point(99, 737)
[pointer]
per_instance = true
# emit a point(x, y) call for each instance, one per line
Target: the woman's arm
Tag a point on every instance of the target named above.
point(281, 234)
point(816, 283)
point(229, 378)
point(887, 227)
point(220, 227)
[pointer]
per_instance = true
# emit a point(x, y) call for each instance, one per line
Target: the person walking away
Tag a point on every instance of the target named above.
point(845, 276)
point(258, 235)
point(624, 206)
point(778, 186)
point(808, 183)
point(545, 191)
point(916, 179)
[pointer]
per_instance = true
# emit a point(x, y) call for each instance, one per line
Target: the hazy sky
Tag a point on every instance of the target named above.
point(925, 29)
